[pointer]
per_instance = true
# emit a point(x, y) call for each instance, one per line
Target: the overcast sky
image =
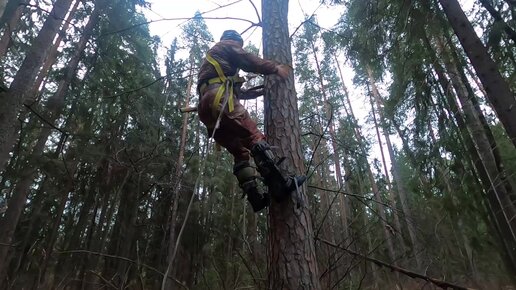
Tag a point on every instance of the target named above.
point(326, 16)
point(167, 9)
point(167, 30)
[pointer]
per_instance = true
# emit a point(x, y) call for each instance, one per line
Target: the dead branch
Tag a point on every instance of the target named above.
point(414, 275)
point(353, 195)
point(124, 259)
point(256, 11)
point(103, 279)
point(7, 245)
point(176, 19)
point(221, 6)
point(44, 120)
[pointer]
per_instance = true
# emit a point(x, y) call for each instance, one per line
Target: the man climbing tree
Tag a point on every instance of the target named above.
point(229, 123)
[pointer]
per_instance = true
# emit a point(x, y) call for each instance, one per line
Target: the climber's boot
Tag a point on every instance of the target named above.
point(248, 181)
point(279, 184)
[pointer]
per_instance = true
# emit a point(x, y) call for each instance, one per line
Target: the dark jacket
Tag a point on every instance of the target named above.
point(231, 57)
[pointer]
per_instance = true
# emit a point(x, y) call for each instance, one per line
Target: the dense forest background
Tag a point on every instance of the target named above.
point(105, 184)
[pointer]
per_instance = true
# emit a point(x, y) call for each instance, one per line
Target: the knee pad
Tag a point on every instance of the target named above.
point(244, 171)
point(248, 181)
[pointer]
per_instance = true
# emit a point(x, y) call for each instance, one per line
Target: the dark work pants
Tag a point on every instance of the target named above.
point(237, 131)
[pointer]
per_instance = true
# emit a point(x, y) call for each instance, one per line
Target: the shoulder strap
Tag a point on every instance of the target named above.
point(216, 64)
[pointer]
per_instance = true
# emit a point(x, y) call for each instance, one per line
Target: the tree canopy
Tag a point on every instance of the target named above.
point(401, 115)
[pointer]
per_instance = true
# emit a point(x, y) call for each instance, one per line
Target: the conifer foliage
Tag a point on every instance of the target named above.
point(401, 115)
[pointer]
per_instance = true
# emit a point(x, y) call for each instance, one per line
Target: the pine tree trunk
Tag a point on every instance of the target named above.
point(475, 158)
point(374, 187)
point(52, 54)
point(345, 209)
point(178, 175)
point(407, 212)
point(392, 200)
point(441, 170)
point(325, 228)
point(333, 142)
point(35, 225)
point(499, 93)
point(13, 99)
point(54, 106)
point(42, 279)
point(324, 224)
point(319, 148)
point(501, 190)
point(293, 264)
point(12, 23)
point(400, 185)
point(369, 244)
point(499, 20)
point(12, 215)
point(3, 3)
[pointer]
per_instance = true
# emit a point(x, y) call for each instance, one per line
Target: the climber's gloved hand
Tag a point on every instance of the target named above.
point(251, 94)
point(283, 70)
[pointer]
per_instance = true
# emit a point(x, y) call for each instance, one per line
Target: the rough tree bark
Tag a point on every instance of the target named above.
point(498, 91)
point(292, 264)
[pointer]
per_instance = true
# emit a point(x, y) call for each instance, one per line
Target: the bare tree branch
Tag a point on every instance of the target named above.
point(45, 120)
point(121, 258)
point(351, 194)
point(256, 10)
point(414, 275)
point(103, 279)
point(175, 19)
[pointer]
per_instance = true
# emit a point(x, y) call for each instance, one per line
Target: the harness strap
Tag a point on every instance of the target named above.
point(216, 64)
point(227, 85)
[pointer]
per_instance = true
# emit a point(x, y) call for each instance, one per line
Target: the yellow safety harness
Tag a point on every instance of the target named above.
point(228, 85)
